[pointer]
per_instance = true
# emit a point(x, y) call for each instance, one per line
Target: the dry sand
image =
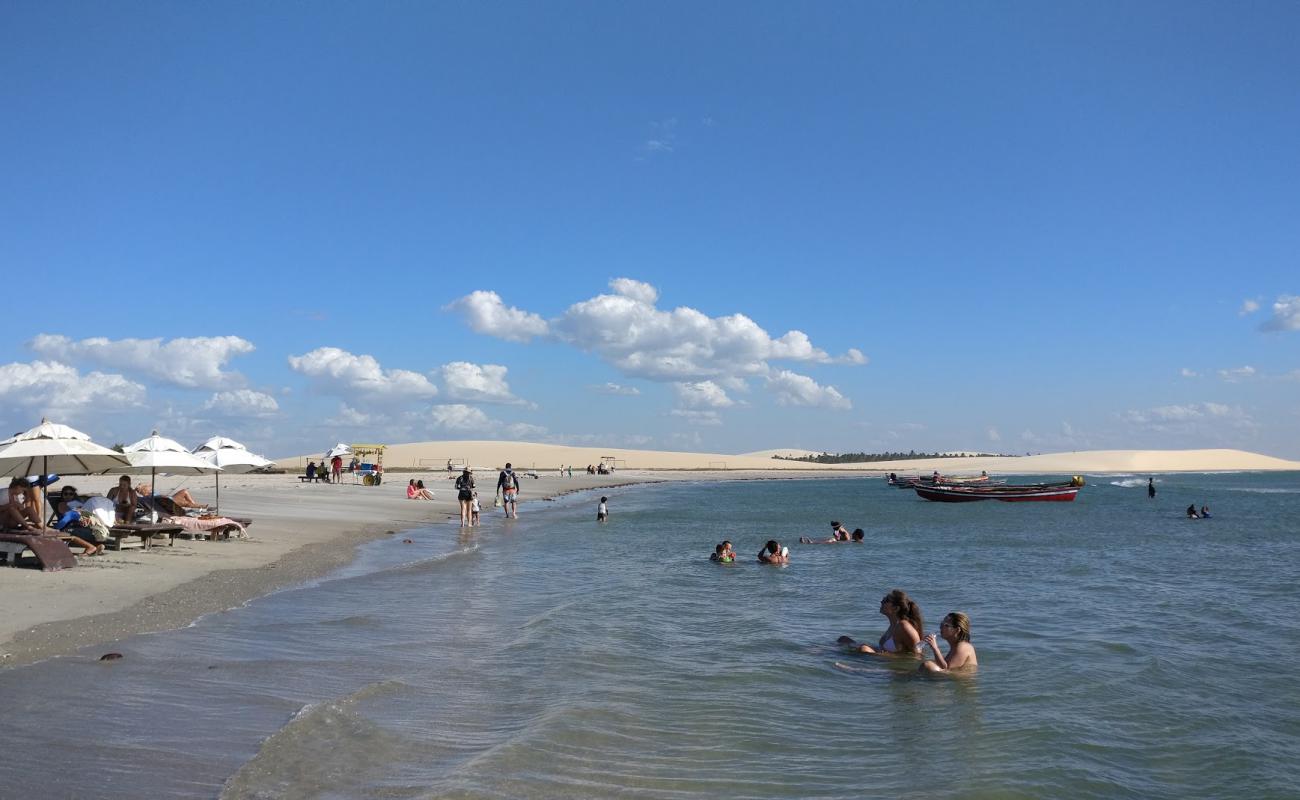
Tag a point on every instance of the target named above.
point(302, 531)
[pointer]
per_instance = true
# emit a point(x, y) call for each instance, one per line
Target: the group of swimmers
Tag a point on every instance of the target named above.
point(774, 553)
point(1204, 514)
point(906, 636)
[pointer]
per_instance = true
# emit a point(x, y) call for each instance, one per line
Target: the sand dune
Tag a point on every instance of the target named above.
point(528, 455)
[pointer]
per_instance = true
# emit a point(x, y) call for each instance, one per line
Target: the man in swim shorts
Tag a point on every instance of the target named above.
point(508, 483)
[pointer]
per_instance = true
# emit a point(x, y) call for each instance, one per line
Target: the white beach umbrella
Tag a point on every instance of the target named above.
point(339, 449)
point(230, 459)
point(55, 447)
point(218, 443)
point(160, 453)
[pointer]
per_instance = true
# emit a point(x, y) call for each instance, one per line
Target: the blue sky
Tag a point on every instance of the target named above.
point(1007, 227)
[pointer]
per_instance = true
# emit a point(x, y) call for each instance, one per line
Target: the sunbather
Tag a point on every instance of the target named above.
point(18, 510)
point(125, 498)
point(182, 497)
point(85, 529)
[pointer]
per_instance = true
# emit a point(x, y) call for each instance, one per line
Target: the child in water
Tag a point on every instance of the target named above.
point(602, 510)
point(721, 556)
point(473, 510)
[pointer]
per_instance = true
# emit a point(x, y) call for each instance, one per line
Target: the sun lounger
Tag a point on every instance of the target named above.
point(145, 531)
point(209, 527)
point(50, 551)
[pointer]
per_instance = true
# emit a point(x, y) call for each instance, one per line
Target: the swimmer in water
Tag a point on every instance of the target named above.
point(774, 553)
point(906, 627)
point(839, 533)
point(728, 550)
point(720, 555)
point(858, 535)
point(955, 630)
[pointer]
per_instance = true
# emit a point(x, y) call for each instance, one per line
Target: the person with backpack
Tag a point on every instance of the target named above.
point(508, 485)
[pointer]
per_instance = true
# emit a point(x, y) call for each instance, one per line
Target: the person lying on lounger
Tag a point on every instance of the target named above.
point(182, 497)
point(85, 529)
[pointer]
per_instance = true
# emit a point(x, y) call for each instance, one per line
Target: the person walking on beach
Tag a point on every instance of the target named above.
point(508, 484)
point(602, 510)
point(1151, 488)
point(336, 467)
point(465, 496)
point(473, 510)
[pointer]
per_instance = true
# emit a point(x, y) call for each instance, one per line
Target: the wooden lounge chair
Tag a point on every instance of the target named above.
point(145, 531)
point(51, 552)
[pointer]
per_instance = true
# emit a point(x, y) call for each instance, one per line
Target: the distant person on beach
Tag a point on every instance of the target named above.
point(311, 470)
point(410, 489)
point(1191, 512)
point(602, 510)
point(1151, 488)
point(464, 495)
point(508, 485)
point(955, 630)
point(906, 627)
point(1205, 512)
point(774, 553)
point(416, 491)
point(336, 467)
point(474, 510)
point(721, 556)
point(182, 497)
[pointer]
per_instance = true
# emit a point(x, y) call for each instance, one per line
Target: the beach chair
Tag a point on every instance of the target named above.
point(50, 552)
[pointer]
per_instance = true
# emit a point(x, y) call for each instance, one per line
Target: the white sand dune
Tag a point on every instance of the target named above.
point(529, 455)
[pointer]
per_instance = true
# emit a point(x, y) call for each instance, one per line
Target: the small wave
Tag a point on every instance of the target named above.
point(1129, 483)
point(325, 747)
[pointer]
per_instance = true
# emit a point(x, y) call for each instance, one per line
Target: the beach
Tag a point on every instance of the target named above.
point(302, 531)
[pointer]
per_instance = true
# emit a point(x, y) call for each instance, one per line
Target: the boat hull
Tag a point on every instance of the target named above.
point(945, 495)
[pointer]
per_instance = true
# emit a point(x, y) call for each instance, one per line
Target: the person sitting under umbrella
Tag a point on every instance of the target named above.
point(124, 498)
point(18, 510)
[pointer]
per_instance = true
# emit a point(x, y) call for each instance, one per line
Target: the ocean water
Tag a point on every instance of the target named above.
point(1125, 651)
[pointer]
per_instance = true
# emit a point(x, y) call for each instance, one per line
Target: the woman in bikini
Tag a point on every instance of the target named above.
point(905, 631)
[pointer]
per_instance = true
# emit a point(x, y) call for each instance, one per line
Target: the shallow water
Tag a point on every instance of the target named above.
point(1125, 652)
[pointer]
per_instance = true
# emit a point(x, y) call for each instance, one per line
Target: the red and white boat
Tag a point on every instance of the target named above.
point(1042, 492)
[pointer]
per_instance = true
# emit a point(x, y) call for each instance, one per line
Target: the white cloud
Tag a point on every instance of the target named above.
point(1188, 373)
point(56, 390)
point(1286, 314)
point(852, 356)
point(476, 383)
point(524, 430)
point(459, 417)
point(1248, 307)
point(350, 417)
point(993, 435)
point(792, 389)
point(487, 314)
point(341, 371)
point(616, 389)
point(637, 290)
point(683, 344)
point(1175, 416)
point(696, 416)
point(702, 394)
point(242, 403)
point(195, 362)
point(1237, 374)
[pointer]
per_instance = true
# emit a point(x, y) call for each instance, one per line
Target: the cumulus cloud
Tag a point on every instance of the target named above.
point(1237, 374)
point(792, 389)
point(702, 394)
point(637, 290)
point(341, 371)
point(195, 362)
point(475, 383)
point(1248, 307)
point(54, 389)
point(616, 389)
point(349, 417)
point(1286, 315)
point(459, 417)
point(242, 403)
point(485, 313)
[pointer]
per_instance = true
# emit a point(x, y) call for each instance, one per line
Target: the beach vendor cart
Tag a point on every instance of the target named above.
point(370, 472)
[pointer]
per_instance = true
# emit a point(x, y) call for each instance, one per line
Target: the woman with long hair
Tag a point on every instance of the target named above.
point(906, 627)
point(465, 496)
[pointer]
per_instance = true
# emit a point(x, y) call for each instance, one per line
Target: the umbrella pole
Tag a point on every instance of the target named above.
point(45, 491)
point(217, 475)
